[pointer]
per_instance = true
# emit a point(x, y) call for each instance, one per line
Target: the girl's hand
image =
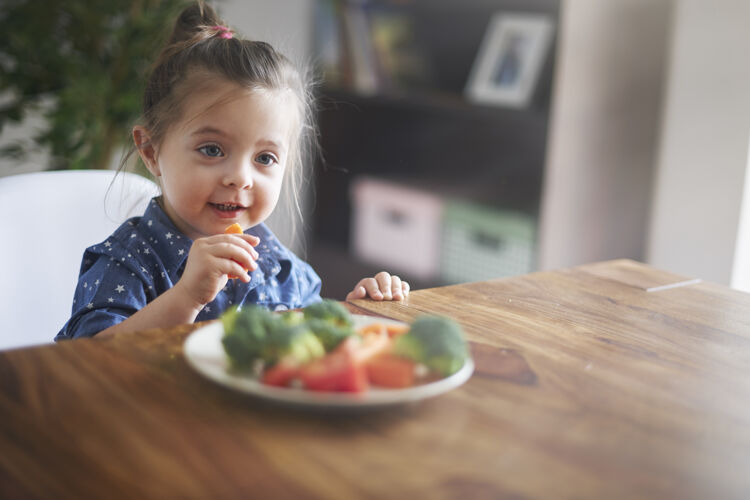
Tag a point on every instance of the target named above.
point(382, 287)
point(210, 263)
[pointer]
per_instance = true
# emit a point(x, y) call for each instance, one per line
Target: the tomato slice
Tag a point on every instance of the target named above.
point(339, 370)
point(280, 374)
point(389, 370)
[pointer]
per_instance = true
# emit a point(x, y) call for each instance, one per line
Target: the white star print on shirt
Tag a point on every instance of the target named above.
point(159, 263)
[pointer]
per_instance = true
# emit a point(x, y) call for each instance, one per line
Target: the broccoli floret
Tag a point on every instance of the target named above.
point(292, 317)
point(436, 342)
point(256, 333)
point(245, 333)
point(292, 342)
point(329, 334)
point(329, 310)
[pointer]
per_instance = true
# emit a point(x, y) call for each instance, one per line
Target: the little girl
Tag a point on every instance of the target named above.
point(224, 120)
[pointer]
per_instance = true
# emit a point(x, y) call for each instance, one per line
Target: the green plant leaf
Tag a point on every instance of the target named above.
point(90, 66)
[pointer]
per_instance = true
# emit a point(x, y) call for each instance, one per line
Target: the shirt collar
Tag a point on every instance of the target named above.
point(174, 246)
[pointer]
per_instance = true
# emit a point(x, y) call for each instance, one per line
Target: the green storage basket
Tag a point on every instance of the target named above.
point(481, 243)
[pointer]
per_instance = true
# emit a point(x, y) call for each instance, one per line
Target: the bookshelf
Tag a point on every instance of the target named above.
point(415, 127)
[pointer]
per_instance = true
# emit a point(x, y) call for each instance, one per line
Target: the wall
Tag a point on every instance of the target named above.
point(287, 25)
point(604, 130)
point(741, 270)
point(700, 184)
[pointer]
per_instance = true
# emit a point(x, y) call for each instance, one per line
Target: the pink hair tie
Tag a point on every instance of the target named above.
point(224, 32)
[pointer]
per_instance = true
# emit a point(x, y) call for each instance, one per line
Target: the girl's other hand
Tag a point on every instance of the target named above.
point(381, 287)
point(210, 263)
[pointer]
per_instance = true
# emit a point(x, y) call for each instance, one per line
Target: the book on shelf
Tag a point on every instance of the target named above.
point(327, 45)
point(364, 64)
point(368, 47)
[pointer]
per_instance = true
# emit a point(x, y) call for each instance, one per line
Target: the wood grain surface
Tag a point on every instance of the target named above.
point(592, 382)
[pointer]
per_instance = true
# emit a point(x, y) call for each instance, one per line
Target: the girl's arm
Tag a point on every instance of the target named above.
point(383, 286)
point(168, 309)
point(210, 261)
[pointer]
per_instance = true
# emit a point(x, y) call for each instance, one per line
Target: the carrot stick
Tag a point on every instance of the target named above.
point(234, 229)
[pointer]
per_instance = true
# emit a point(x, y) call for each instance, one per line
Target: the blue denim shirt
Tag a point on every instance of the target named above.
point(146, 256)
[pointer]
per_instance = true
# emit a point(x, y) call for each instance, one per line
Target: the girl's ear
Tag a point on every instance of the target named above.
point(146, 149)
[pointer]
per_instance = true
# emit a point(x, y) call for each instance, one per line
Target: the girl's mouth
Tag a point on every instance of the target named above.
point(227, 210)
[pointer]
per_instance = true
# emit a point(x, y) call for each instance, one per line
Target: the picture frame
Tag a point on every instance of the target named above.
point(511, 55)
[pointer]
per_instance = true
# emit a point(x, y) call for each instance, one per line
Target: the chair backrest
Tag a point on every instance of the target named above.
point(47, 220)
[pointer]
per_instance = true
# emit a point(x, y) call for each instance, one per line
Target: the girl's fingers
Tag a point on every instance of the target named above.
point(244, 241)
point(359, 292)
point(381, 287)
point(384, 281)
point(247, 242)
point(253, 240)
point(239, 271)
point(396, 292)
point(372, 288)
point(237, 253)
point(238, 240)
point(231, 268)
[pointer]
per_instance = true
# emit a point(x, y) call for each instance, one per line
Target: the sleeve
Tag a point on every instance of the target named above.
point(108, 292)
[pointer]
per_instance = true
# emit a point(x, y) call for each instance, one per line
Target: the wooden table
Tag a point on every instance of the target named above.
point(610, 380)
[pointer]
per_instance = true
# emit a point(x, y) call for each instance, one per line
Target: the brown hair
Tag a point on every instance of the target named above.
point(201, 48)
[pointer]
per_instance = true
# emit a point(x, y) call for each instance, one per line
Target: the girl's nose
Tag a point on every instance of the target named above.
point(239, 174)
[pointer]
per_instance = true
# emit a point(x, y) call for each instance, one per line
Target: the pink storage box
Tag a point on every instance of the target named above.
point(396, 226)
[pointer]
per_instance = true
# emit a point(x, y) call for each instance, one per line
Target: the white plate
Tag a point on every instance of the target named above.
point(205, 353)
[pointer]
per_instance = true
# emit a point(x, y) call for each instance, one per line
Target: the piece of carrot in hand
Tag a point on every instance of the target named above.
point(234, 229)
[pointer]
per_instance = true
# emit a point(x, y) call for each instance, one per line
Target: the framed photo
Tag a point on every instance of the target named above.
point(512, 53)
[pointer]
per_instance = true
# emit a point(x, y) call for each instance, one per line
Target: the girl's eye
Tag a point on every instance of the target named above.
point(211, 150)
point(266, 159)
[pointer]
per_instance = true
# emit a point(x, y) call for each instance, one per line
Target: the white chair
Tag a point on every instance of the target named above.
point(47, 219)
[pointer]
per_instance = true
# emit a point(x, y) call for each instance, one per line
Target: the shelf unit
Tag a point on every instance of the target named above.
point(428, 135)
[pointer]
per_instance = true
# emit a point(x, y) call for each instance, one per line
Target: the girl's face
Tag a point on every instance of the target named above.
point(224, 162)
